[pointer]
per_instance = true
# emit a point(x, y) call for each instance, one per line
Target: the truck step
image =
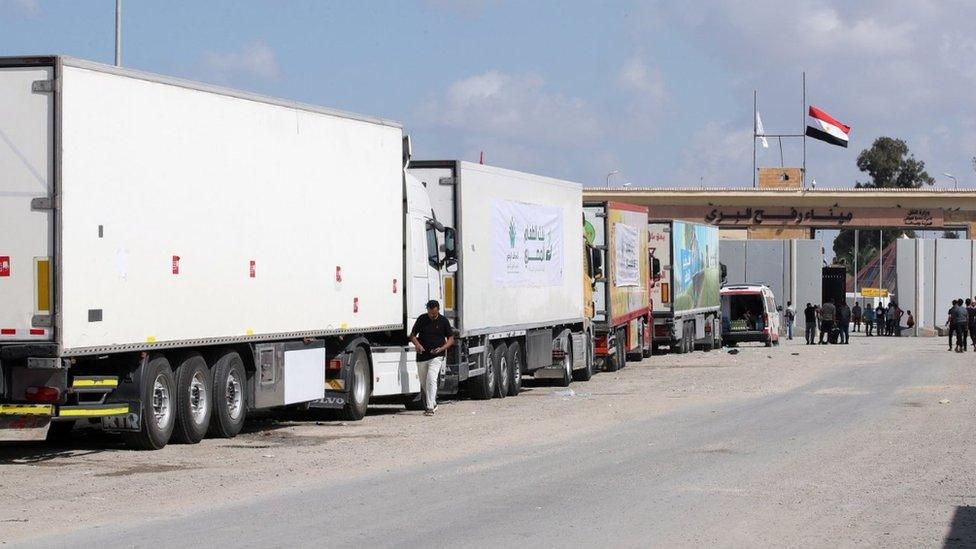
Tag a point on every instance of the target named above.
point(94, 384)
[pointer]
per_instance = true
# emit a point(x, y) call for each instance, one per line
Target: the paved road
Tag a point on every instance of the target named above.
point(864, 455)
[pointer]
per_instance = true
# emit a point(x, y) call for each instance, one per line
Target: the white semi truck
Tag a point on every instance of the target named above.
point(174, 255)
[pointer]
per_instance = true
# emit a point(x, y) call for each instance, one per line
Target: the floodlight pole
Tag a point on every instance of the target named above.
point(118, 33)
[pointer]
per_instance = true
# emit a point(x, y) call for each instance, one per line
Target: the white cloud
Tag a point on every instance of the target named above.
point(30, 8)
point(462, 7)
point(718, 155)
point(254, 59)
point(646, 91)
point(514, 106)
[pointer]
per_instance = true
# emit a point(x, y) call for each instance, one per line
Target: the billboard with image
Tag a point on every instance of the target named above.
point(697, 274)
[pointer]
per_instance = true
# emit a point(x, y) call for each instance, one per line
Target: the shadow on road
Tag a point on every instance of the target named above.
point(962, 531)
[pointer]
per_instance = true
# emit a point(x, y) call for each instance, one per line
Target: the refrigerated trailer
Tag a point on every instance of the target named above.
point(175, 255)
point(686, 276)
point(622, 316)
point(516, 287)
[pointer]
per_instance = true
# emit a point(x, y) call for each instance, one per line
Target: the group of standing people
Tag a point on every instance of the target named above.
point(884, 321)
point(833, 321)
point(962, 322)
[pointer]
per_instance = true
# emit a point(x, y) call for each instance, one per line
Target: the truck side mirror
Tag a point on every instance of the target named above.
point(450, 244)
point(724, 272)
point(655, 268)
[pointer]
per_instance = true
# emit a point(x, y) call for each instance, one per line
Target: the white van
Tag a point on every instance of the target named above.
point(749, 313)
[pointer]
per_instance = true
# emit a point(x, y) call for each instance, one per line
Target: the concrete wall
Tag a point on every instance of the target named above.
point(791, 268)
point(931, 273)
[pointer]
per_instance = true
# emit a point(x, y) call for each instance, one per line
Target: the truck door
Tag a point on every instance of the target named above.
point(26, 220)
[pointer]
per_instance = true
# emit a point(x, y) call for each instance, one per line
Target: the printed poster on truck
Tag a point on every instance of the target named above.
point(527, 244)
point(697, 276)
point(627, 240)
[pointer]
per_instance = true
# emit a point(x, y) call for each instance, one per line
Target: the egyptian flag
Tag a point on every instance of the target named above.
point(824, 127)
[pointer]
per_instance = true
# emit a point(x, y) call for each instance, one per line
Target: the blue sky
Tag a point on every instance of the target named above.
point(661, 91)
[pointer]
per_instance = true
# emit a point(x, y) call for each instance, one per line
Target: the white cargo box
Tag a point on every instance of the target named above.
point(520, 242)
point(188, 214)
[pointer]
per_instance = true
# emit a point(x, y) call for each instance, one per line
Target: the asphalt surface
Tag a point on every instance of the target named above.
point(874, 450)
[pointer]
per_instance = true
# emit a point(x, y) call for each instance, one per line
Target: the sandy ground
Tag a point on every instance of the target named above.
point(96, 483)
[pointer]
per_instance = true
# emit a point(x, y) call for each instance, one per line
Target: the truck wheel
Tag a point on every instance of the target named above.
point(638, 354)
point(359, 389)
point(586, 373)
point(499, 361)
point(158, 407)
point(229, 402)
point(194, 390)
point(483, 386)
point(622, 348)
point(514, 369)
point(567, 372)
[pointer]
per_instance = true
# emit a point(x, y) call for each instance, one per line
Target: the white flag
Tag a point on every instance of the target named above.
point(760, 131)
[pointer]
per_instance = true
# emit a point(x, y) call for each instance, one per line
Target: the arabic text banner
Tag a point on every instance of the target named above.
point(627, 258)
point(527, 244)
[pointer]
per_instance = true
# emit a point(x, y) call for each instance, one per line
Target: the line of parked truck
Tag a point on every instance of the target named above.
point(174, 256)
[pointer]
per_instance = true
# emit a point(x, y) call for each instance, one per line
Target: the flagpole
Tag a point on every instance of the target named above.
point(755, 109)
point(802, 126)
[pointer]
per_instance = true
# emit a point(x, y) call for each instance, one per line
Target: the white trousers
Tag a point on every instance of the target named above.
point(430, 375)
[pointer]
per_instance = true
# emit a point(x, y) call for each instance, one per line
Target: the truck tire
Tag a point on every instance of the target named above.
point(360, 388)
point(567, 372)
point(514, 368)
point(158, 407)
point(622, 348)
point(483, 386)
point(638, 354)
point(499, 361)
point(193, 398)
point(586, 373)
point(612, 362)
point(229, 397)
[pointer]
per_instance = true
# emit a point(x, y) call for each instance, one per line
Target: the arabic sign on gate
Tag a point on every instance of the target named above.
point(837, 216)
point(527, 244)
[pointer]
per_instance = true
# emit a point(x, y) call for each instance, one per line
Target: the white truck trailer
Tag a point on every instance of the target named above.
point(174, 255)
point(686, 280)
point(517, 287)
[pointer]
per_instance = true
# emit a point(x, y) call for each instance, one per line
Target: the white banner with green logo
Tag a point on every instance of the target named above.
point(626, 258)
point(527, 244)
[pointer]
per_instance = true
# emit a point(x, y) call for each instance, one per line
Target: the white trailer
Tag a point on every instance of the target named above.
point(686, 280)
point(515, 287)
point(173, 254)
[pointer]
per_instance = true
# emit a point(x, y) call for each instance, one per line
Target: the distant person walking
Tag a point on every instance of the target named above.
point(810, 318)
point(961, 318)
point(911, 321)
point(790, 315)
point(844, 320)
point(972, 323)
point(890, 318)
point(432, 336)
point(869, 315)
point(856, 315)
point(951, 322)
point(828, 313)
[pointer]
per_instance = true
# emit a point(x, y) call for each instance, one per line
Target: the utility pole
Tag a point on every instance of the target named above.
point(855, 264)
point(880, 259)
point(118, 33)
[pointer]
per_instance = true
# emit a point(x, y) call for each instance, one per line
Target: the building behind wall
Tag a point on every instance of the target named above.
point(791, 268)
